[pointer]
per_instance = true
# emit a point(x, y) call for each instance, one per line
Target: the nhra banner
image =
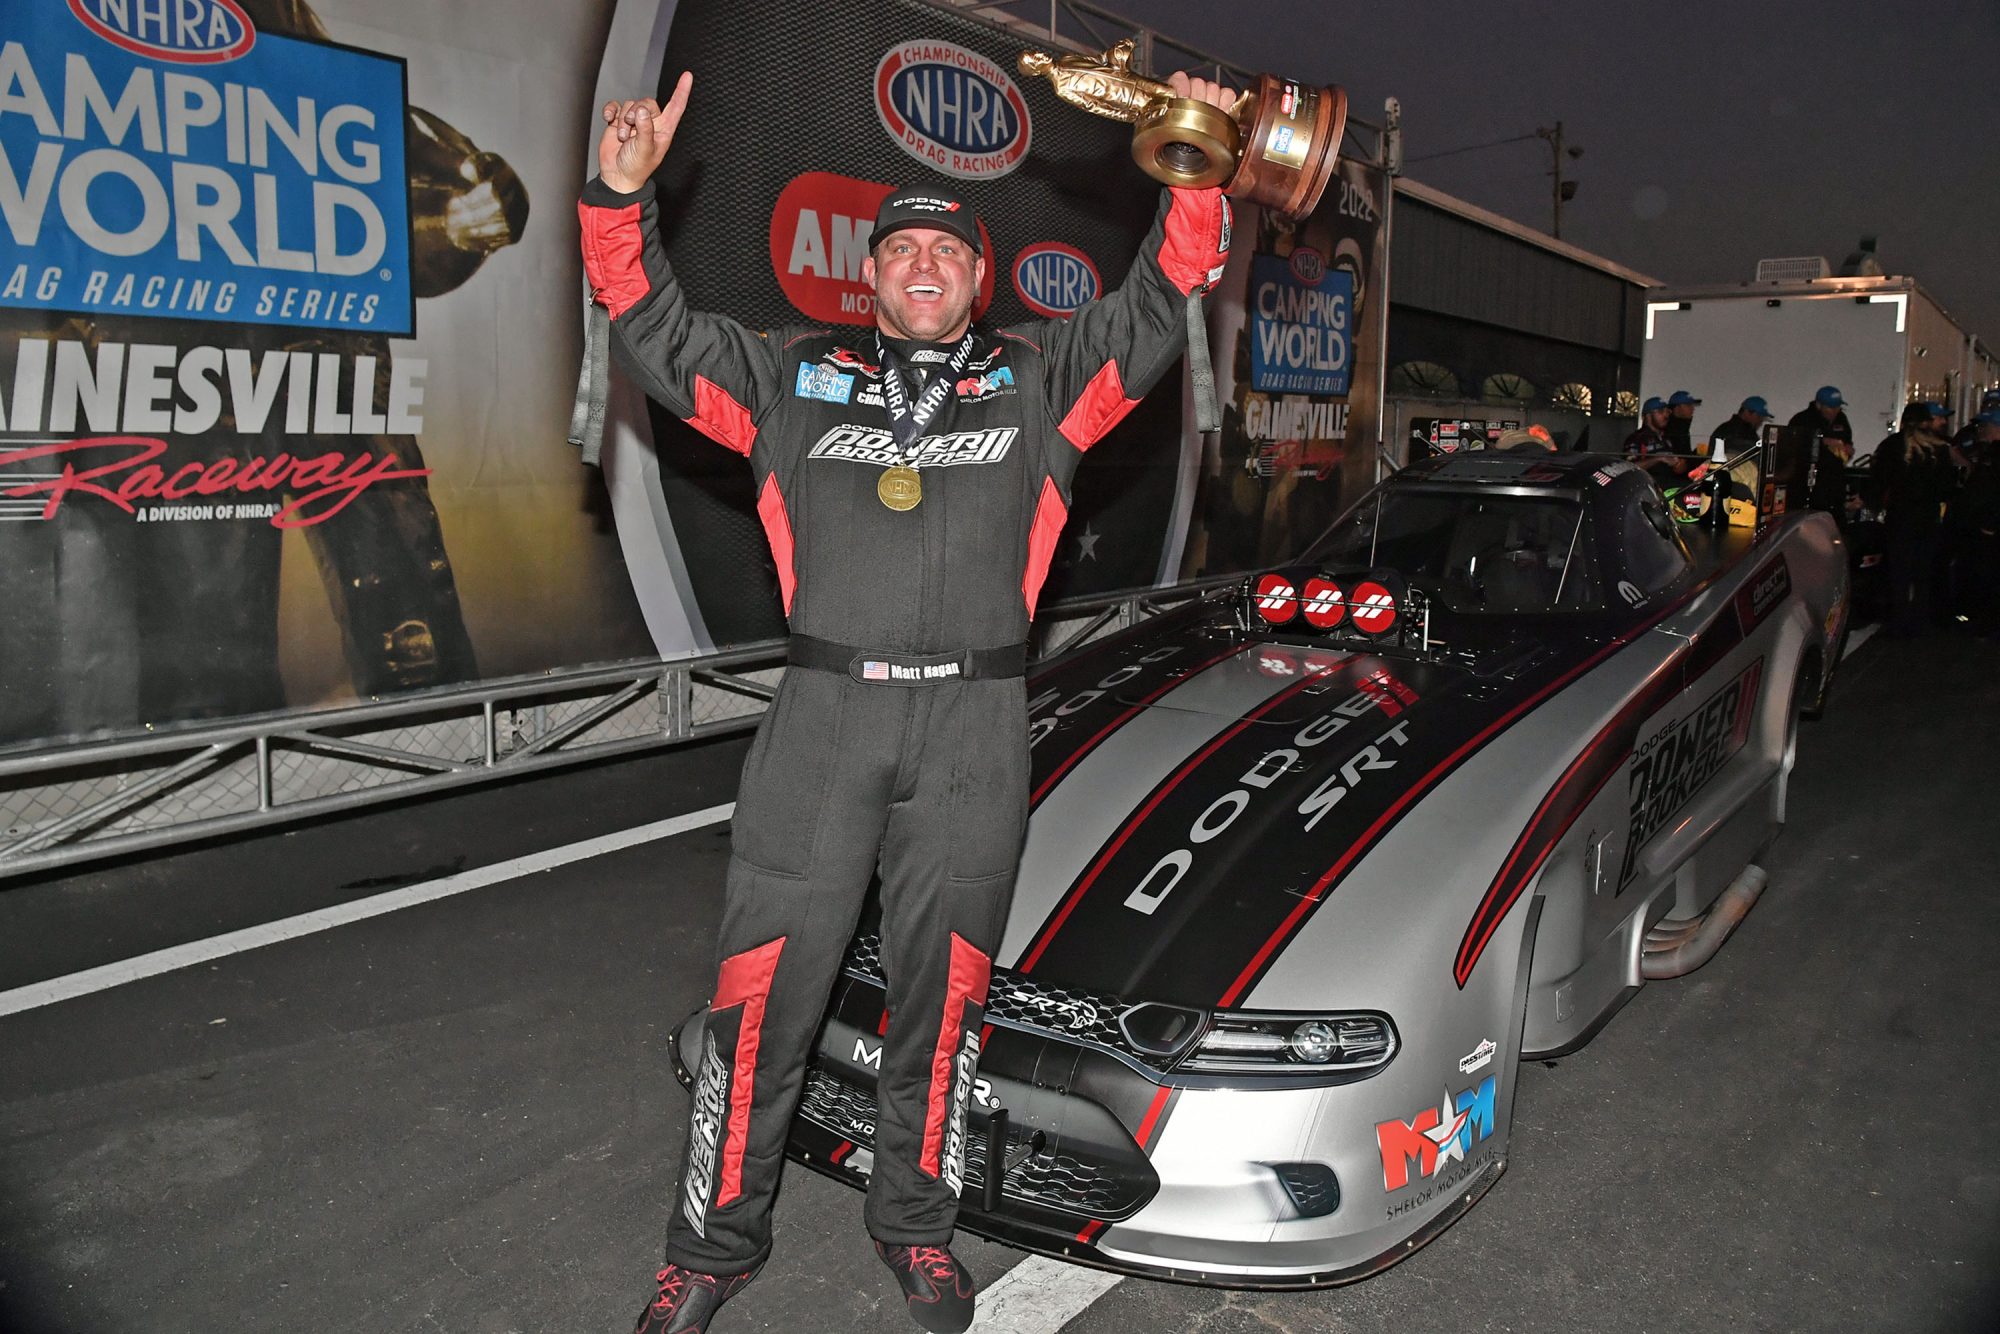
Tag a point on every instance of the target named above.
point(287, 339)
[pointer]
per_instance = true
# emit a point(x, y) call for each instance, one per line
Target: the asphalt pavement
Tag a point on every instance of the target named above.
point(459, 1116)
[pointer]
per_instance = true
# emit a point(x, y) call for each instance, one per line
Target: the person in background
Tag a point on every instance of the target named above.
point(1803, 451)
point(1739, 431)
point(1915, 475)
point(1649, 447)
point(1975, 512)
point(1680, 420)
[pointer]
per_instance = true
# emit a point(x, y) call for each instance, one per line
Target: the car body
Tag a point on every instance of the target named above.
point(1298, 894)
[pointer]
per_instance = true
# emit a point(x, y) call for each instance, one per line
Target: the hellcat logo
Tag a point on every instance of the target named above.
point(187, 32)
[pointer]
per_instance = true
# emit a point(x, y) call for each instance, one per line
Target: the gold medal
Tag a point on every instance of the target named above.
point(900, 488)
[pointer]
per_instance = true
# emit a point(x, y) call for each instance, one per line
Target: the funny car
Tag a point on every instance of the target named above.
point(1315, 861)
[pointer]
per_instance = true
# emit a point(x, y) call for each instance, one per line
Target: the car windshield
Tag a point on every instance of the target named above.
point(1475, 550)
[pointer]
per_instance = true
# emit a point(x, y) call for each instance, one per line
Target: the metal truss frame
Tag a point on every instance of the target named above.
point(78, 802)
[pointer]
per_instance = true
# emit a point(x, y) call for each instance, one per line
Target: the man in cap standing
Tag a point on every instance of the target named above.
point(1796, 465)
point(1680, 420)
point(1742, 429)
point(913, 480)
point(1649, 447)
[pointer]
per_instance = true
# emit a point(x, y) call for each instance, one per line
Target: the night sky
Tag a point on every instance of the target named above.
point(1715, 132)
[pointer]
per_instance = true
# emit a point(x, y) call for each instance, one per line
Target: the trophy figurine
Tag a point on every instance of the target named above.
point(1276, 147)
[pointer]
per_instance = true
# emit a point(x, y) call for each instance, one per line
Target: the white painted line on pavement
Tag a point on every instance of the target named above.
point(1858, 638)
point(270, 933)
point(1039, 1296)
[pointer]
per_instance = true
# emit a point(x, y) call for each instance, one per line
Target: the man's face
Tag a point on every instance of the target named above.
point(1656, 420)
point(925, 282)
point(1684, 410)
point(1827, 412)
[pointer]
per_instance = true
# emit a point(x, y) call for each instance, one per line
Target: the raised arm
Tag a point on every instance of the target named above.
point(707, 369)
point(1103, 359)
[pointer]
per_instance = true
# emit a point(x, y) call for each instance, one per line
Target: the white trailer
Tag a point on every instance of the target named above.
point(1882, 340)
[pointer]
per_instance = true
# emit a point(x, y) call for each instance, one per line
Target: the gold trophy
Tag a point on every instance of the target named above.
point(1277, 146)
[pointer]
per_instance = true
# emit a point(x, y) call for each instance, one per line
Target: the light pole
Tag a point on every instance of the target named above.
point(1564, 191)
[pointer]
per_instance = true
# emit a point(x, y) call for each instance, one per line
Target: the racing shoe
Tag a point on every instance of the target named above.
point(688, 1299)
point(935, 1283)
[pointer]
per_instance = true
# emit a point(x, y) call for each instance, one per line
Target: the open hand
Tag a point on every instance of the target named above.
point(636, 137)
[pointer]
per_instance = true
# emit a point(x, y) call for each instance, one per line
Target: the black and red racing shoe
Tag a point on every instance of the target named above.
point(687, 1300)
point(936, 1285)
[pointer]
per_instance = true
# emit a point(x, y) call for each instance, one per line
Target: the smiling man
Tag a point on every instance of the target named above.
point(913, 480)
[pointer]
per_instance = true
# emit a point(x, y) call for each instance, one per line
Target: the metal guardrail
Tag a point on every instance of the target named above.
point(74, 802)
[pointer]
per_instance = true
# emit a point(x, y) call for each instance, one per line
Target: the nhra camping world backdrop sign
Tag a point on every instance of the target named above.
point(1298, 349)
point(238, 474)
point(168, 159)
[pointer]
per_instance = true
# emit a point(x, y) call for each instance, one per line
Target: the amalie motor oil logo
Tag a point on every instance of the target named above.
point(952, 109)
point(1054, 279)
point(165, 159)
point(819, 237)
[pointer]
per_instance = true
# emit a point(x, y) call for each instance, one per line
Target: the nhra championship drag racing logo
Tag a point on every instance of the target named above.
point(951, 109)
point(1674, 764)
point(874, 445)
point(704, 1137)
point(1437, 1135)
point(1055, 280)
point(163, 158)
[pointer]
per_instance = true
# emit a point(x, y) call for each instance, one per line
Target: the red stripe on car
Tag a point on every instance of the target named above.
point(1042, 788)
point(1131, 826)
point(1150, 1124)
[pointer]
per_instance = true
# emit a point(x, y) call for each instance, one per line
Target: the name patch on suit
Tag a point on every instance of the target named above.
point(875, 445)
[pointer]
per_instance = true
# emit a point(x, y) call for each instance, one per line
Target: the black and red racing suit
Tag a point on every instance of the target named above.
point(900, 741)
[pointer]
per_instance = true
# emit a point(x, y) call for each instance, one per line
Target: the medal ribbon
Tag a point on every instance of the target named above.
point(907, 423)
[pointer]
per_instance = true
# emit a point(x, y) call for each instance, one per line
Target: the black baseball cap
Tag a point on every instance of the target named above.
point(927, 206)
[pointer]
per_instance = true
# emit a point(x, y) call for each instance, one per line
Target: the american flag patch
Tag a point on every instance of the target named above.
point(874, 671)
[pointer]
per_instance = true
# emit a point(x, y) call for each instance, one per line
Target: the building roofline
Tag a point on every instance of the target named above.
point(1438, 199)
point(1887, 284)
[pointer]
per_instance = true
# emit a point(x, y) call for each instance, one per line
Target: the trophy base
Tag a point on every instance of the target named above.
point(1291, 144)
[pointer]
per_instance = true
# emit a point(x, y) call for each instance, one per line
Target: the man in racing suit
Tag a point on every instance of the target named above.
point(912, 522)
